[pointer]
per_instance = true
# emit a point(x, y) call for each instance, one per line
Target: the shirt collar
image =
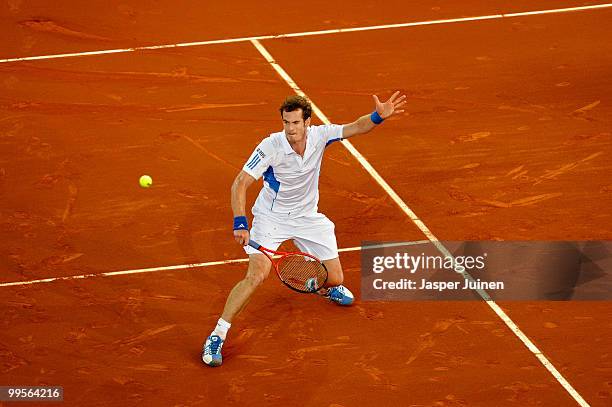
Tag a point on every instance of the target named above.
point(286, 145)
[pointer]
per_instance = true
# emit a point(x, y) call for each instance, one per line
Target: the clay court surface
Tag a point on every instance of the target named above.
point(506, 136)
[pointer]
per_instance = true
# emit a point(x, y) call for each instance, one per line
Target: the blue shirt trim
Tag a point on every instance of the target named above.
point(332, 141)
point(269, 177)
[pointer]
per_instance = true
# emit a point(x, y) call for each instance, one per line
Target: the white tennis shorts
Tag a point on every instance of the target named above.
point(312, 234)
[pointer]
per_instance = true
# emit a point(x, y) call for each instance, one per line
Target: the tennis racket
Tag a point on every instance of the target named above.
point(302, 272)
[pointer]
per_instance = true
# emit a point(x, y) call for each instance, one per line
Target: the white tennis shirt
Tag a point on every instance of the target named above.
point(291, 183)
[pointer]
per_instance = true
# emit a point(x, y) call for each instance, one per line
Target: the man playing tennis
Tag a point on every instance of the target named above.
point(286, 208)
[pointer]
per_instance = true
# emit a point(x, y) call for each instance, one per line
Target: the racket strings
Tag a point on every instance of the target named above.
point(297, 270)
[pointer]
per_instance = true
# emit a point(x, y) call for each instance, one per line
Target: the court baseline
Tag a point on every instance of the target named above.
point(310, 33)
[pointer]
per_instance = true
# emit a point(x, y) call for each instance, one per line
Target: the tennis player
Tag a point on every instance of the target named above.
point(286, 208)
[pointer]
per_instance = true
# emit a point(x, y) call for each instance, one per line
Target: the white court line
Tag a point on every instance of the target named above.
point(419, 223)
point(310, 33)
point(190, 266)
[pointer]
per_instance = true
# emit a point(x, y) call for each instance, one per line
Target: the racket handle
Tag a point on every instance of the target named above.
point(254, 244)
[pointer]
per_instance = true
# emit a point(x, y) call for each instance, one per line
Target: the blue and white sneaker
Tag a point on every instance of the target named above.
point(340, 295)
point(211, 352)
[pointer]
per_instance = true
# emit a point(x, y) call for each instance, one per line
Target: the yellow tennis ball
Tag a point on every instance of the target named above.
point(145, 181)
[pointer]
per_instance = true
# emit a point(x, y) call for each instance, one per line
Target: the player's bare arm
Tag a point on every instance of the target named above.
point(239, 188)
point(382, 111)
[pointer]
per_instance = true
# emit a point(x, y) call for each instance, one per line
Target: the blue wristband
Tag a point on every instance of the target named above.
point(375, 117)
point(241, 223)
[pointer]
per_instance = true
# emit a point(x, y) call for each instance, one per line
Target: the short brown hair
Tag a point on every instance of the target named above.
point(294, 103)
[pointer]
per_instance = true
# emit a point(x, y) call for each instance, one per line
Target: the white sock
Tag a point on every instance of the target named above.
point(222, 327)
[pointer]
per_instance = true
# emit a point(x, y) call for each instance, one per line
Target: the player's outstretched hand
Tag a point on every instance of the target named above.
point(242, 237)
point(391, 106)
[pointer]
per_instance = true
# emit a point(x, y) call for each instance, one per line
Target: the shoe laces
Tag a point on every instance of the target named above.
point(214, 346)
point(336, 292)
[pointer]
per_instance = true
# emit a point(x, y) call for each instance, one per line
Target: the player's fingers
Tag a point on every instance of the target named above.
point(376, 100)
point(400, 104)
point(238, 236)
point(392, 98)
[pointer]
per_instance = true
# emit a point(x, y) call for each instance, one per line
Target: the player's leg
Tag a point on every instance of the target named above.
point(334, 272)
point(265, 232)
point(334, 290)
point(259, 268)
point(257, 272)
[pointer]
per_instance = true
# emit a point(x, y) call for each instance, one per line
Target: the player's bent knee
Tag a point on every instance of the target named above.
point(259, 268)
point(256, 277)
point(254, 280)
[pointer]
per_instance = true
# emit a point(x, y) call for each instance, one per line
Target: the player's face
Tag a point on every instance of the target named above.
point(295, 125)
